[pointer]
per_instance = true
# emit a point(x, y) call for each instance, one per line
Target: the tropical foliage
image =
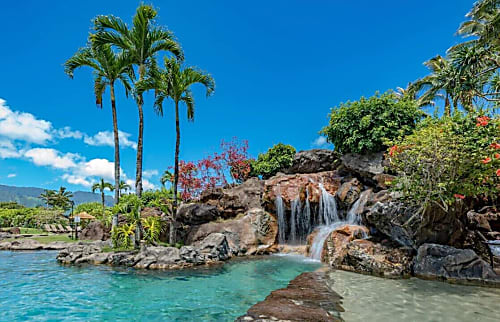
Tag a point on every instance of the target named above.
point(152, 229)
point(123, 236)
point(60, 199)
point(101, 186)
point(363, 126)
point(277, 158)
point(31, 217)
point(448, 158)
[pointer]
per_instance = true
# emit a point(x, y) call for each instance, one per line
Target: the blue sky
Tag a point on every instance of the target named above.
point(279, 67)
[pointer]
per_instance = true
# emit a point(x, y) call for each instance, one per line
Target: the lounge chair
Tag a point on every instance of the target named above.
point(61, 228)
point(54, 229)
point(69, 229)
point(47, 228)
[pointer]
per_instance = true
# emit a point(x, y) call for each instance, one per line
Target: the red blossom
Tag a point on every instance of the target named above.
point(486, 160)
point(393, 150)
point(482, 120)
point(497, 155)
point(495, 145)
point(459, 196)
point(498, 172)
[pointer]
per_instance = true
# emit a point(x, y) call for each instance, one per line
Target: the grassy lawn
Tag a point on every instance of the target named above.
point(48, 239)
point(32, 231)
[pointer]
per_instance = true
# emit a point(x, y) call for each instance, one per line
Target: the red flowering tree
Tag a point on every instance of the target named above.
point(213, 170)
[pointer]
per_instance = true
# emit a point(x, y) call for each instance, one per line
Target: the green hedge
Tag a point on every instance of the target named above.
point(31, 217)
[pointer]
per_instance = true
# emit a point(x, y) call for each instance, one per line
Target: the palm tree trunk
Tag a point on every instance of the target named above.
point(117, 153)
point(102, 200)
point(138, 170)
point(176, 172)
point(447, 108)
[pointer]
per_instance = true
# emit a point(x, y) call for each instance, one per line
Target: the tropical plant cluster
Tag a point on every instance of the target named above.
point(277, 158)
point(455, 157)
point(363, 126)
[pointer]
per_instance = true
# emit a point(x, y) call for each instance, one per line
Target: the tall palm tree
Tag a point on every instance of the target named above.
point(108, 68)
point(102, 186)
point(47, 196)
point(141, 43)
point(62, 198)
point(124, 187)
point(175, 83)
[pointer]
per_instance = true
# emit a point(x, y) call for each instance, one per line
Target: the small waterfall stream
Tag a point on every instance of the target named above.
point(280, 210)
point(328, 212)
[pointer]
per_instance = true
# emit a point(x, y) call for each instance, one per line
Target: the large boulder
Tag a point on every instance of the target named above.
point(335, 245)
point(95, 230)
point(196, 213)
point(254, 232)
point(410, 228)
point(235, 200)
point(214, 247)
point(447, 263)
point(366, 257)
point(312, 161)
point(367, 167)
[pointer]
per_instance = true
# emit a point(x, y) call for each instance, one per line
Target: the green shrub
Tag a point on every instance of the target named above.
point(10, 205)
point(152, 229)
point(443, 160)
point(276, 159)
point(363, 126)
point(122, 236)
point(31, 217)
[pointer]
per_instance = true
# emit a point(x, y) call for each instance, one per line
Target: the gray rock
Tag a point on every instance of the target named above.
point(447, 263)
point(214, 247)
point(365, 165)
point(196, 213)
point(190, 255)
point(312, 161)
point(237, 199)
point(94, 231)
point(25, 244)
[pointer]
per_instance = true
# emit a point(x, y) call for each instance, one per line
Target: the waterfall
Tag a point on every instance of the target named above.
point(319, 239)
point(280, 210)
point(295, 221)
point(328, 213)
point(353, 216)
point(307, 228)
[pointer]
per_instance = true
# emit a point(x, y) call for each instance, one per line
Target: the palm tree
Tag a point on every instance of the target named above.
point(62, 198)
point(124, 187)
point(48, 197)
point(108, 67)
point(102, 186)
point(166, 177)
point(175, 83)
point(141, 43)
point(441, 83)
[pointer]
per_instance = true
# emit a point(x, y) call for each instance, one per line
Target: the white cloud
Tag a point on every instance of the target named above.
point(66, 132)
point(320, 141)
point(146, 184)
point(52, 158)
point(77, 180)
point(11, 175)
point(106, 138)
point(150, 173)
point(8, 150)
point(23, 126)
point(101, 168)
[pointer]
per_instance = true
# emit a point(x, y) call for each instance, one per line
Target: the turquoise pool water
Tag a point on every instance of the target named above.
point(33, 286)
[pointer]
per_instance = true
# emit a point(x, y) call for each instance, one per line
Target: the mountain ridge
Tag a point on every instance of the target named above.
point(28, 196)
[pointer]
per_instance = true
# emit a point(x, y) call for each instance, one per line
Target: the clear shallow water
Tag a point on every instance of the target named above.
point(33, 286)
point(368, 298)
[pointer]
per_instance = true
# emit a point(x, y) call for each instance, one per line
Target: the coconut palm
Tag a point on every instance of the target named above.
point(108, 68)
point(62, 198)
point(441, 83)
point(484, 23)
point(141, 43)
point(124, 187)
point(102, 186)
point(166, 177)
point(175, 83)
point(47, 196)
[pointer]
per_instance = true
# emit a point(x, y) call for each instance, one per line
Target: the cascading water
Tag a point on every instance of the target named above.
point(328, 213)
point(280, 210)
point(295, 221)
point(353, 218)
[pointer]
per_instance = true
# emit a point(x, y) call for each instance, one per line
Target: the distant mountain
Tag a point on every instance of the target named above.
point(28, 196)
